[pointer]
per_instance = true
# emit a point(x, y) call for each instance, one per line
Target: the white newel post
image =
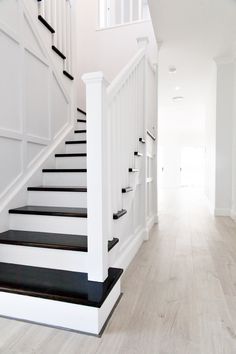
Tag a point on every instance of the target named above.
point(98, 195)
point(143, 43)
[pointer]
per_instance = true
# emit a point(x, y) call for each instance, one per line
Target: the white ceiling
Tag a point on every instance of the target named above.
point(192, 33)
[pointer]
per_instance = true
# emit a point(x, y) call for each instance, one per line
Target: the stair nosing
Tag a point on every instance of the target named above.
point(127, 190)
point(58, 52)
point(119, 214)
point(71, 142)
point(49, 280)
point(64, 212)
point(134, 170)
point(69, 76)
point(57, 189)
point(80, 131)
point(46, 24)
point(137, 153)
point(81, 111)
point(141, 140)
point(64, 170)
point(83, 154)
point(57, 246)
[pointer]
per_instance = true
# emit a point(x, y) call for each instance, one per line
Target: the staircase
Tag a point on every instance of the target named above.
point(45, 247)
point(60, 257)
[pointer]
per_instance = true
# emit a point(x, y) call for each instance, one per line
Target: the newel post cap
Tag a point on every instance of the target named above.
point(94, 77)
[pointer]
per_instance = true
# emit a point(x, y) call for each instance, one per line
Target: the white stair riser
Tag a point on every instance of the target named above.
point(58, 199)
point(76, 148)
point(44, 257)
point(80, 126)
point(45, 223)
point(57, 313)
point(71, 162)
point(65, 179)
point(79, 136)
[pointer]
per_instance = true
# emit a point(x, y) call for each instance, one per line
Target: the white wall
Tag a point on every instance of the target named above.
point(224, 125)
point(221, 137)
point(211, 137)
point(106, 50)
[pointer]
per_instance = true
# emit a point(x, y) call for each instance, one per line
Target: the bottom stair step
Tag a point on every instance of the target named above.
point(48, 240)
point(58, 298)
point(59, 285)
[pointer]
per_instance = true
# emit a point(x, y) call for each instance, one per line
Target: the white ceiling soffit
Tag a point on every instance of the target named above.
point(192, 34)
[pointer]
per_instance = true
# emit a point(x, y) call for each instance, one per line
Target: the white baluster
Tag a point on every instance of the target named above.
point(41, 5)
point(131, 11)
point(140, 10)
point(122, 11)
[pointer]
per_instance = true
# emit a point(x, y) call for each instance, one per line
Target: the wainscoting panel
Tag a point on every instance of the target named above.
point(59, 109)
point(33, 151)
point(30, 39)
point(36, 96)
point(10, 161)
point(10, 83)
point(9, 14)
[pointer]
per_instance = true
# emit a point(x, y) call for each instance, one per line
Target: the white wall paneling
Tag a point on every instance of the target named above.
point(36, 104)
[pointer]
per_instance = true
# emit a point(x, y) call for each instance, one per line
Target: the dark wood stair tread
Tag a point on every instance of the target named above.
point(66, 242)
point(58, 52)
point(76, 142)
point(57, 189)
point(81, 121)
point(68, 75)
point(64, 170)
point(137, 153)
point(46, 24)
point(119, 214)
point(127, 190)
point(142, 140)
point(72, 155)
point(57, 285)
point(81, 111)
point(50, 211)
point(133, 170)
point(80, 131)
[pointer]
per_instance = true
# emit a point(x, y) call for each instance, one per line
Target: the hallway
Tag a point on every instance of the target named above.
point(179, 293)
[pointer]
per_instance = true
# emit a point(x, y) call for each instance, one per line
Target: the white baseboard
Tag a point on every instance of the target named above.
point(233, 214)
point(222, 212)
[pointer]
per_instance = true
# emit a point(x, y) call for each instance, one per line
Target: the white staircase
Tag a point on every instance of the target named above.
point(60, 257)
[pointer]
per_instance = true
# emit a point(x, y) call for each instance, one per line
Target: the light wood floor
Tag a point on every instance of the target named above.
point(179, 293)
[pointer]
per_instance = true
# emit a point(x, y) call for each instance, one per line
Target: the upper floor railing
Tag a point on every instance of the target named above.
point(119, 12)
point(57, 13)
